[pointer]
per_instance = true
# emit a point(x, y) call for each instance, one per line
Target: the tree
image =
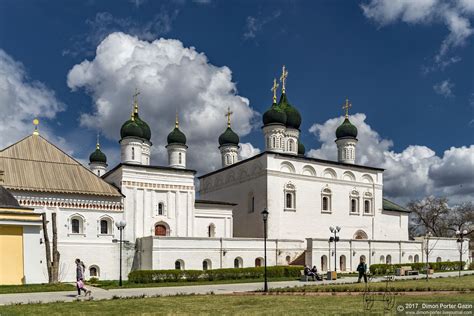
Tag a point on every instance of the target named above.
point(433, 214)
point(52, 266)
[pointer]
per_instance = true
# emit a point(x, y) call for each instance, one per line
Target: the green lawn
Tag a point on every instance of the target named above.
point(465, 283)
point(28, 288)
point(114, 284)
point(226, 305)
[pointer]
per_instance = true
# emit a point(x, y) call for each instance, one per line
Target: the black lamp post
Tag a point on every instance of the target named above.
point(265, 218)
point(427, 251)
point(334, 239)
point(460, 241)
point(120, 226)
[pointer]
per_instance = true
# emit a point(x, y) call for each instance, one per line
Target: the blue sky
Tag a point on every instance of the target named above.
point(407, 68)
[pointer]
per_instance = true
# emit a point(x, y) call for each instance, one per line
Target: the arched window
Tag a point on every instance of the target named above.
point(382, 259)
point(238, 262)
point(438, 259)
point(179, 264)
point(290, 145)
point(206, 265)
point(290, 197)
point(367, 206)
point(353, 206)
point(342, 263)
point(98, 173)
point(133, 153)
point(324, 263)
point(180, 159)
point(326, 200)
point(410, 258)
point(360, 234)
point(388, 260)
point(161, 230)
point(77, 224)
point(258, 262)
point(251, 202)
point(105, 227)
point(273, 142)
point(161, 208)
point(211, 230)
point(94, 271)
point(417, 258)
point(288, 259)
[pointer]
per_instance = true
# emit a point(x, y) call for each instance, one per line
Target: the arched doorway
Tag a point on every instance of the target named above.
point(206, 265)
point(179, 264)
point(161, 230)
point(258, 262)
point(342, 263)
point(388, 259)
point(417, 258)
point(238, 262)
point(324, 263)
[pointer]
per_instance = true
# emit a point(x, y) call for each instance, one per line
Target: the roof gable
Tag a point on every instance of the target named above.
point(34, 164)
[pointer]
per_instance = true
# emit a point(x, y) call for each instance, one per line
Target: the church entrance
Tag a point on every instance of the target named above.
point(160, 230)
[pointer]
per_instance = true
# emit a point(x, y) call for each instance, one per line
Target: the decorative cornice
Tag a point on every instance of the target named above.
point(32, 202)
point(147, 185)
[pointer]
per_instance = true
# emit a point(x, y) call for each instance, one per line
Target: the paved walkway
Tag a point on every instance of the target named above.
point(100, 294)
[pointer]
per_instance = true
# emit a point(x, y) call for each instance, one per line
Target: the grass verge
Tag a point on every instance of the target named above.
point(228, 305)
point(29, 288)
point(465, 283)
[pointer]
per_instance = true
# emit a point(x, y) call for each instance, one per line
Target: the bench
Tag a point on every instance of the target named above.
point(406, 270)
point(305, 277)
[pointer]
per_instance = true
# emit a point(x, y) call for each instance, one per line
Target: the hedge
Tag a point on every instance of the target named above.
point(154, 276)
point(377, 269)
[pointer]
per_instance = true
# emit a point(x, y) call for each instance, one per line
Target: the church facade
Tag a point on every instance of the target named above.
point(167, 227)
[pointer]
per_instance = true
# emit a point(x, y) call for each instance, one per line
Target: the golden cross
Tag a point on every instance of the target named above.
point(284, 75)
point(346, 107)
point(135, 100)
point(228, 114)
point(274, 89)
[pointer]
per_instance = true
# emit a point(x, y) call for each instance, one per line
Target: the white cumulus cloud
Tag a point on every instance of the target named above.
point(247, 150)
point(413, 173)
point(454, 14)
point(444, 88)
point(170, 77)
point(23, 99)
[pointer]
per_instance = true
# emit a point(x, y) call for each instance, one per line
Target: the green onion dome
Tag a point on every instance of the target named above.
point(98, 156)
point(131, 129)
point(301, 149)
point(229, 137)
point(274, 115)
point(346, 130)
point(176, 137)
point(144, 126)
point(293, 117)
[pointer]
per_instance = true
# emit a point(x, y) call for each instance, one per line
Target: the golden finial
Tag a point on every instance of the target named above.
point(135, 100)
point(176, 124)
point(346, 107)
point(284, 75)
point(228, 114)
point(274, 89)
point(36, 123)
point(97, 146)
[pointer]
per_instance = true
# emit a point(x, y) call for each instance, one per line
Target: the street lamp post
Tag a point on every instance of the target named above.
point(460, 241)
point(427, 251)
point(334, 239)
point(265, 218)
point(120, 226)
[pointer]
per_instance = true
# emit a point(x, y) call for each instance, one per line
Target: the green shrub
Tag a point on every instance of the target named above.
point(93, 280)
point(154, 276)
point(471, 266)
point(381, 269)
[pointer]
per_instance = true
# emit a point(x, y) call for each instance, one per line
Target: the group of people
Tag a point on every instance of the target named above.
point(361, 269)
point(80, 269)
point(313, 273)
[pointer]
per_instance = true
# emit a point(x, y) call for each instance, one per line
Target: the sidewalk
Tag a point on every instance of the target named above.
point(101, 294)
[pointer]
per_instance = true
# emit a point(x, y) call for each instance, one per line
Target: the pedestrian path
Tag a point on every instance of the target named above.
point(101, 294)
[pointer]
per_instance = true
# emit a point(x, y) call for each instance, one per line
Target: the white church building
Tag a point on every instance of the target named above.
point(167, 227)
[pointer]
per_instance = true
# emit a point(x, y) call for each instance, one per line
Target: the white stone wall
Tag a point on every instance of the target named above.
point(219, 218)
point(131, 150)
point(177, 155)
point(220, 252)
point(376, 252)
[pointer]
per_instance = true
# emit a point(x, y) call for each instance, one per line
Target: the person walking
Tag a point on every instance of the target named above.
point(362, 269)
point(80, 269)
